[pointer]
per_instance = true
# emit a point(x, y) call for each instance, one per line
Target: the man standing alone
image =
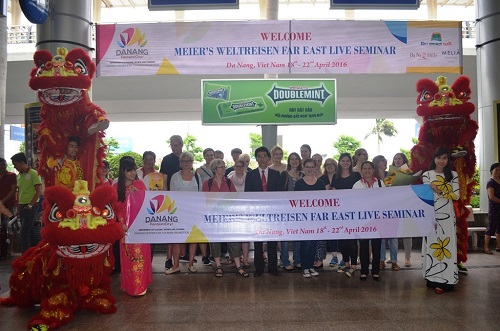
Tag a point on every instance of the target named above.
point(264, 179)
point(29, 189)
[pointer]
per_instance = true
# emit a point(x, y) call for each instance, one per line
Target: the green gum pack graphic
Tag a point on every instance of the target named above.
point(240, 107)
point(215, 91)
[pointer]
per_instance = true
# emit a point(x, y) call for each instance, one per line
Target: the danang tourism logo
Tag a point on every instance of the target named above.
point(436, 39)
point(128, 38)
point(157, 206)
point(292, 93)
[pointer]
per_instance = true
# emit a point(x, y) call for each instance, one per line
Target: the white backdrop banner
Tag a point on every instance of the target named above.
point(279, 47)
point(196, 217)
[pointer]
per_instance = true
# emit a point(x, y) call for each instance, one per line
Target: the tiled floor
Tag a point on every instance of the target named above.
point(400, 301)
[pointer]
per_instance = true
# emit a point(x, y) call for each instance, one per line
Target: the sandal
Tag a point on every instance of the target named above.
point(219, 272)
point(241, 272)
point(288, 268)
point(382, 265)
point(487, 251)
point(395, 266)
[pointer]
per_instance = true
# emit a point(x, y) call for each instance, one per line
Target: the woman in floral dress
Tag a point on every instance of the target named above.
point(439, 252)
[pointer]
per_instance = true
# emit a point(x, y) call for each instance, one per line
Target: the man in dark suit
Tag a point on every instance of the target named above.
point(264, 179)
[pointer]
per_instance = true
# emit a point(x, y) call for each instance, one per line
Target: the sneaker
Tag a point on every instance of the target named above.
point(349, 273)
point(168, 264)
point(362, 277)
point(313, 272)
point(334, 262)
point(376, 277)
point(462, 269)
point(172, 271)
point(306, 273)
point(212, 259)
point(206, 261)
point(192, 269)
point(184, 259)
point(341, 264)
point(343, 269)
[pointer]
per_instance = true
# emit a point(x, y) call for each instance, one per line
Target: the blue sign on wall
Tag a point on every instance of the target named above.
point(192, 4)
point(36, 11)
point(16, 133)
point(374, 4)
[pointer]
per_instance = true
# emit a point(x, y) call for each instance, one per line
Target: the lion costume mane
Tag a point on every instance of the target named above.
point(62, 82)
point(70, 268)
point(445, 111)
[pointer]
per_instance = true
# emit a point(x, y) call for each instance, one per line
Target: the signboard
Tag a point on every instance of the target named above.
point(192, 4)
point(279, 47)
point(374, 4)
point(261, 101)
point(36, 11)
point(197, 217)
point(32, 123)
point(16, 133)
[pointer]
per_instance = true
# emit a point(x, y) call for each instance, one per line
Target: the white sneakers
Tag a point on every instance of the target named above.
point(307, 273)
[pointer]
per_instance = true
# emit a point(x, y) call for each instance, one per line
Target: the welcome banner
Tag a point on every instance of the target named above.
point(196, 217)
point(279, 47)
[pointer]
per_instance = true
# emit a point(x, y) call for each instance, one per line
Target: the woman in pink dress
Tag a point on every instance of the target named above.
point(136, 269)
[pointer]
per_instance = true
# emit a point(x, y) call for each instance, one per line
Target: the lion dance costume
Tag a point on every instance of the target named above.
point(62, 82)
point(70, 268)
point(445, 112)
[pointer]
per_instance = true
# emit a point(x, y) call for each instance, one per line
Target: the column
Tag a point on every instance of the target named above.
point(488, 79)
point(68, 25)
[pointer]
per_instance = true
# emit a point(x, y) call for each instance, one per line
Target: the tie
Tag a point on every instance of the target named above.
point(264, 181)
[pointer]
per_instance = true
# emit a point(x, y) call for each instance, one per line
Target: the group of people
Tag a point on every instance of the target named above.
point(304, 172)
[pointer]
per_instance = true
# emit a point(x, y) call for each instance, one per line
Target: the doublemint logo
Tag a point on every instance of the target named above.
point(292, 93)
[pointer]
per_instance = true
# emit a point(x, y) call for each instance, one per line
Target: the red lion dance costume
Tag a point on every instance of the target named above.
point(70, 268)
point(446, 111)
point(62, 82)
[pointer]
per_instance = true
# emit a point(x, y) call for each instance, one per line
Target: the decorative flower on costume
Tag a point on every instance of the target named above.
point(440, 249)
point(445, 112)
point(69, 269)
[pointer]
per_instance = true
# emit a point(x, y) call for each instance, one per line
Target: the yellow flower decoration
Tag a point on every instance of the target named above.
point(440, 250)
point(445, 188)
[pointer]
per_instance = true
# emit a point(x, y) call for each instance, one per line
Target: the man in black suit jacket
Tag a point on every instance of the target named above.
point(255, 183)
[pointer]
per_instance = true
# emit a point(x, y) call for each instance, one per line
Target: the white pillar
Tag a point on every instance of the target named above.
point(488, 79)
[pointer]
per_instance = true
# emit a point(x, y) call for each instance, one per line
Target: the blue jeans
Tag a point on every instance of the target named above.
point(27, 216)
point(285, 261)
point(393, 249)
point(307, 253)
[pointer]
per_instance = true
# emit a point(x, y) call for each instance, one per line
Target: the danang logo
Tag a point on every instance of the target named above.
point(436, 36)
point(130, 37)
point(292, 93)
point(159, 204)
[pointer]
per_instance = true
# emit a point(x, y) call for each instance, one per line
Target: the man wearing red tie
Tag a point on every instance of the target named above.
point(264, 179)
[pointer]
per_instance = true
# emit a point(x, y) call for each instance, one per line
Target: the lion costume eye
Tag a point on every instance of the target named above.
point(54, 214)
point(426, 96)
point(80, 68)
point(108, 212)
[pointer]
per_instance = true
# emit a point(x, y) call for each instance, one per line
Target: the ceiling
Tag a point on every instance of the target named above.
point(142, 3)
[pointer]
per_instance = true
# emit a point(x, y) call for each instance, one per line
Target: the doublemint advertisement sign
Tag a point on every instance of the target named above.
point(265, 101)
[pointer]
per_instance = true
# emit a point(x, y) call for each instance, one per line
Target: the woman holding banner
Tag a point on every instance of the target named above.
point(345, 178)
point(439, 252)
point(308, 247)
point(289, 177)
point(369, 180)
point(136, 269)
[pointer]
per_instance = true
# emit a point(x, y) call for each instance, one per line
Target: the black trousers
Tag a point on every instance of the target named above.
point(364, 255)
point(272, 256)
